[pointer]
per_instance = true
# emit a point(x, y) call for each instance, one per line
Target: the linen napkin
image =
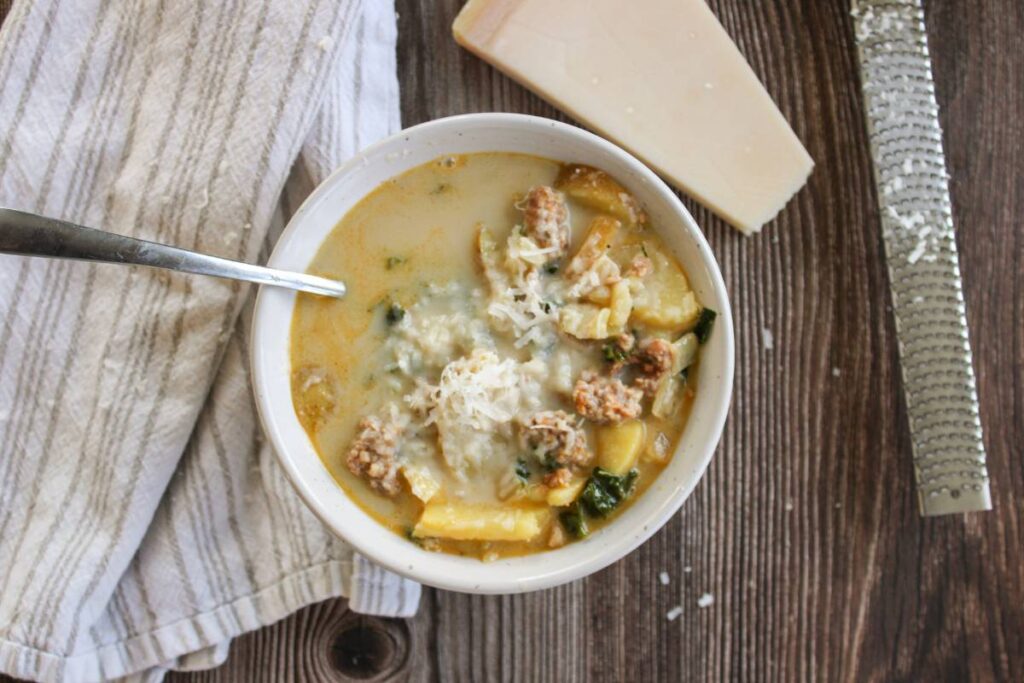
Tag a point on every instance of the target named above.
point(143, 522)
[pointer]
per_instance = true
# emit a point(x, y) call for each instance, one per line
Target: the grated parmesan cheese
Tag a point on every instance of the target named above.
point(477, 398)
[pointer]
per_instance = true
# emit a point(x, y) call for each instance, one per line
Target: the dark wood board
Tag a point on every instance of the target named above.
point(805, 528)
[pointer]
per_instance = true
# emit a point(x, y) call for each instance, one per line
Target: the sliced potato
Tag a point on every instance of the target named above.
point(685, 352)
point(467, 522)
point(666, 398)
point(315, 395)
point(534, 493)
point(618, 446)
point(421, 481)
point(563, 495)
point(600, 237)
point(666, 300)
point(601, 295)
point(584, 321)
point(595, 188)
point(657, 449)
point(621, 305)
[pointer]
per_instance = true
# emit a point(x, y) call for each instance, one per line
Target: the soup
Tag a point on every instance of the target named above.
point(515, 359)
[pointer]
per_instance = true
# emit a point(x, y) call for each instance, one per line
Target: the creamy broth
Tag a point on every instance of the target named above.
point(421, 311)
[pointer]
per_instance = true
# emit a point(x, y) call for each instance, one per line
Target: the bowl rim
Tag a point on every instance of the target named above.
point(442, 570)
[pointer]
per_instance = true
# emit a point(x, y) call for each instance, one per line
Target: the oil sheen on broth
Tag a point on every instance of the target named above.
point(514, 361)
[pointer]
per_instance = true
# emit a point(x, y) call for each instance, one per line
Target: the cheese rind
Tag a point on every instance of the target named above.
point(662, 78)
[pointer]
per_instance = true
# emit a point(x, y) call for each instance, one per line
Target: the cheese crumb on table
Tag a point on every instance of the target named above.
point(674, 613)
point(663, 578)
point(767, 338)
point(705, 600)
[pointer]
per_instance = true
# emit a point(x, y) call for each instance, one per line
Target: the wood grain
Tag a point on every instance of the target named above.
point(805, 528)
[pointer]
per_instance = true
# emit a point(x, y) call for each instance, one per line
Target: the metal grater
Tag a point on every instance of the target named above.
point(917, 228)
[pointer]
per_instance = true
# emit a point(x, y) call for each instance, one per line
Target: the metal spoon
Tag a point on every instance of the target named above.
point(29, 234)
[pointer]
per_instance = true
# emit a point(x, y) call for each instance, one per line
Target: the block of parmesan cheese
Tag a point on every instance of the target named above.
point(660, 77)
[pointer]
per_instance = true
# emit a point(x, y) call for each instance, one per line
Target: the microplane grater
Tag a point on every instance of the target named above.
point(920, 246)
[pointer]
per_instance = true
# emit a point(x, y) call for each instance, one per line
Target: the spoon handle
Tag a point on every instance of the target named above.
point(29, 234)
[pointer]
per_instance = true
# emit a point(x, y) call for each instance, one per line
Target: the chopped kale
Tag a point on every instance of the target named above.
point(395, 314)
point(522, 470)
point(412, 537)
point(599, 501)
point(394, 261)
point(605, 491)
point(546, 306)
point(552, 267)
point(684, 374)
point(441, 188)
point(704, 324)
point(613, 353)
point(620, 487)
point(573, 520)
point(644, 249)
point(550, 464)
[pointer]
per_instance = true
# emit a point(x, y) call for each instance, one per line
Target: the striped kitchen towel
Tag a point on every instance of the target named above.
point(143, 521)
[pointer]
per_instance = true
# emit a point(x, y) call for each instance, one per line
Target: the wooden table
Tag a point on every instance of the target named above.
point(805, 528)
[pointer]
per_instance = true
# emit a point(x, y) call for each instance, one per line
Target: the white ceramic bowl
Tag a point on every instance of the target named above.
point(271, 366)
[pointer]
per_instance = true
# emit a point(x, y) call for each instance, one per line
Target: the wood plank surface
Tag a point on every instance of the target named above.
point(805, 529)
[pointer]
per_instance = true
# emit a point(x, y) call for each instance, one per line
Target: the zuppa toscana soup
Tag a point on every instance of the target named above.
point(515, 359)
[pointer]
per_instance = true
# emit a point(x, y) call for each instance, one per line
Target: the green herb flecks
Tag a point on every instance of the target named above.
point(684, 375)
point(552, 267)
point(704, 324)
point(573, 520)
point(395, 314)
point(613, 353)
point(441, 188)
point(549, 463)
point(522, 470)
point(394, 262)
point(605, 491)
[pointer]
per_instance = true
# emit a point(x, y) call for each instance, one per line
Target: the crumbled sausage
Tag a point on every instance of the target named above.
point(547, 219)
point(558, 478)
point(605, 399)
point(554, 433)
point(654, 358)
point(373, 455)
